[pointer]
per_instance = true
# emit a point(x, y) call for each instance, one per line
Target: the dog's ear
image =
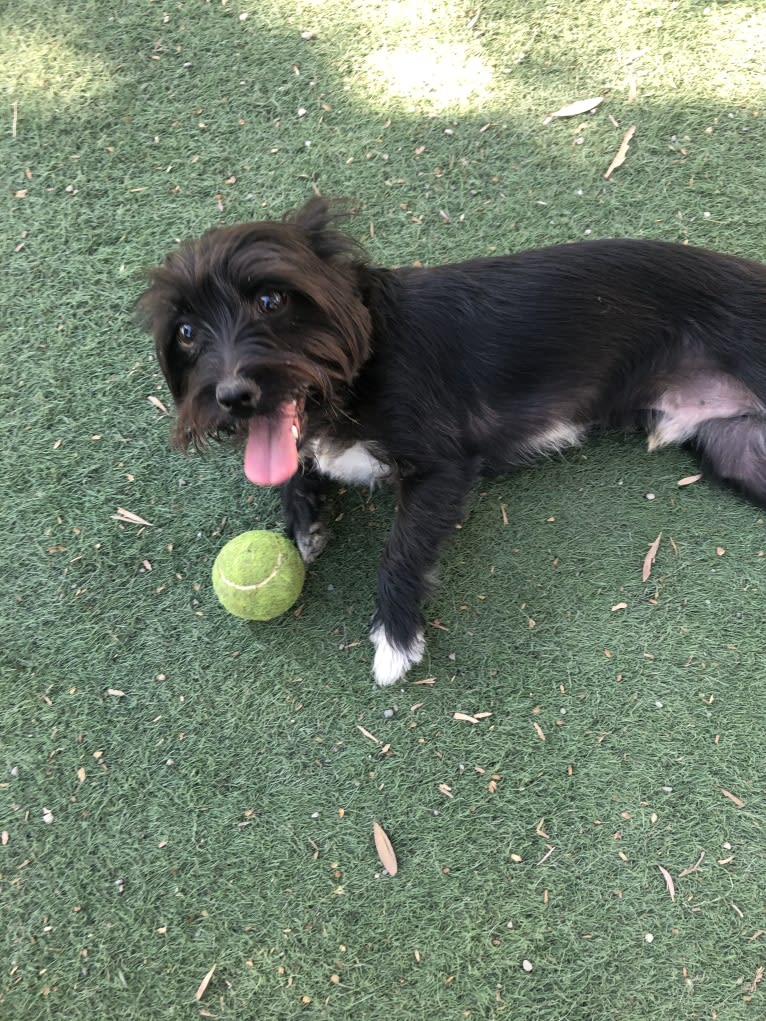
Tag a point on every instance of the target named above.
point(316, 217)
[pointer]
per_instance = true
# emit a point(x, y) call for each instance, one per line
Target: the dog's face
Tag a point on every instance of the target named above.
point(254, 325)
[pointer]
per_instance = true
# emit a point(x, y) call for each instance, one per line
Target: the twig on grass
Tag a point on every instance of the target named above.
point(368, 734)
point(733, 797)
point(622, 152)
point(692, 868)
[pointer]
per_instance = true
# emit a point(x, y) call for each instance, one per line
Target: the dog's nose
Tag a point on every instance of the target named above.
point(238, 396)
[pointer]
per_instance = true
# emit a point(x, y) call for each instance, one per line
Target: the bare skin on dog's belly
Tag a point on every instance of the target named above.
point(686, 406)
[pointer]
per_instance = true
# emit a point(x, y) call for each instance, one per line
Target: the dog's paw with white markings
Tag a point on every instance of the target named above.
point(392, 661)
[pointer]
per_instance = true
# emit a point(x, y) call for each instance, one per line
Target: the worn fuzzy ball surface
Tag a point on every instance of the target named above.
point(258, 575)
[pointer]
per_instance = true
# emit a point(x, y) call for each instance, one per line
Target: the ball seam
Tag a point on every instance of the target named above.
point(257, 585)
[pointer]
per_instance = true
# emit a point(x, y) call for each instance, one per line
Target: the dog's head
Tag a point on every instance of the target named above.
point(255, 324)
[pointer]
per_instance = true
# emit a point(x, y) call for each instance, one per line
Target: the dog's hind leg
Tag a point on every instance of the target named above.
point(301, 506)
point(733, 450)
point(429, 507)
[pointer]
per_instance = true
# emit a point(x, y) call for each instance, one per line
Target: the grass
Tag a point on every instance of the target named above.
point(182, 790)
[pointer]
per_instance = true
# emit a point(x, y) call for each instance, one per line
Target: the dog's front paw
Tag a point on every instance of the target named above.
point(393, 661)
point(311, 543)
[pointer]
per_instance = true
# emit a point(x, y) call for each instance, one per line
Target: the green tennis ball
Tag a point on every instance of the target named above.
point(258, 575)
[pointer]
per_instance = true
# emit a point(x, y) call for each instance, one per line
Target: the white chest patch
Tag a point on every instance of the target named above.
point(354, 465)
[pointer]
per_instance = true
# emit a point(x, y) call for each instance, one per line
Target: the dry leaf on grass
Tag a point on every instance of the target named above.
point(367, 734)
point(471, 717)
point(668, 882)
point(650, 558)
point(622, 152)
point(575, 109)
point(204, 984)
point(157, 403)
point(384, 849)
point(129, 518)
point(689, 480)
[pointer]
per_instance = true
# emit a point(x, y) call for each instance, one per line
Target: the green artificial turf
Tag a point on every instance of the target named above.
point(181, 789)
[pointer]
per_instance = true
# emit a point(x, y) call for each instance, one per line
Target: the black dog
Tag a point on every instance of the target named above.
point(282, 335)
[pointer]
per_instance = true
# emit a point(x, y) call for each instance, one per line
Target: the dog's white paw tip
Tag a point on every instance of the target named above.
point(391, 661)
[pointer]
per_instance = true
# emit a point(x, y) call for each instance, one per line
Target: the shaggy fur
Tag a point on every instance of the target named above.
point(283, 336)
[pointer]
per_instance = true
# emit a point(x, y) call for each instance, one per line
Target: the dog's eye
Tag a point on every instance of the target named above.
point(185, 335)
point(269, 302)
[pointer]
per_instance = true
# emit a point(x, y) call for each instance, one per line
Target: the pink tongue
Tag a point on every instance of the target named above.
point(271, 453)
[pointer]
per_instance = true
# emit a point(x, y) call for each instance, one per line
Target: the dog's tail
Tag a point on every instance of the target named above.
point(733, 450)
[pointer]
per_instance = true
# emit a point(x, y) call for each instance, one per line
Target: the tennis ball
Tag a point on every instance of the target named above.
point(258, 575)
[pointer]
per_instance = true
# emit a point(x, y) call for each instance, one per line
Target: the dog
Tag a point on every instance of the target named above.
point(283, 335)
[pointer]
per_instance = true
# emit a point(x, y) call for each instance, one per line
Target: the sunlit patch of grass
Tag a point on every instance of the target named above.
point(494, 59)
point(737, 38)
point(437, 76)
point(38, 69)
